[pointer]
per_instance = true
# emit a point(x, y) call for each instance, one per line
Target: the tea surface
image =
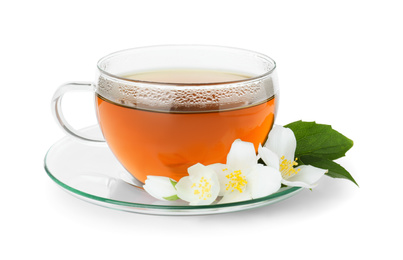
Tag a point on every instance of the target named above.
point(187, 76)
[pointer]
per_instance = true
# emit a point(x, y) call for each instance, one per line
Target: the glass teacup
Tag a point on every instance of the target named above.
point(162, 109)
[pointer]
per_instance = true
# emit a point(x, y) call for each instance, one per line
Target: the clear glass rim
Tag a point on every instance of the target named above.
point(281, 193)
point(257, 54)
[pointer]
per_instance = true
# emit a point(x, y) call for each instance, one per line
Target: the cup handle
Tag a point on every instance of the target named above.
point(57, 109)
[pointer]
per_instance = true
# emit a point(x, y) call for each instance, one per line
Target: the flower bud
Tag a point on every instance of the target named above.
point(162, 188)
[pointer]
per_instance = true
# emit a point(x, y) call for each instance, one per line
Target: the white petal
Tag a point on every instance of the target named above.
point(263, 181)
point(235, 196)
point(307, 177)
point(282, 142)
point(270, 158)
point(185, 192)
point(221, 170)
point(242, 156)
point(198, 170)
point(159, 187)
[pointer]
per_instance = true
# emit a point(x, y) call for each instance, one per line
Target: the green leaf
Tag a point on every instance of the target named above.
point(173, 197)
point(335, 170)
point(319, 140)
point(173, 183)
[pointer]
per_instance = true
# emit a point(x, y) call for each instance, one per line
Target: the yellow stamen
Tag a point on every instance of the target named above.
point(287, 168)
point(203, 188)
point(237, 181)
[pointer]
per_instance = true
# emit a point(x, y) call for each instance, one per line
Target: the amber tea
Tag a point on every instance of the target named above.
point(166, 143)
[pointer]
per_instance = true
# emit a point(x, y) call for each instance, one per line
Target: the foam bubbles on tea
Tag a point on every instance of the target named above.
point(182, 92)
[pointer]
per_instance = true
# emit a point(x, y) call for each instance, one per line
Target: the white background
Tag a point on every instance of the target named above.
point(339, 63)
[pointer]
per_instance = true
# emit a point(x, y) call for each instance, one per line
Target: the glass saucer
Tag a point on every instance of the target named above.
point(93, 174)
